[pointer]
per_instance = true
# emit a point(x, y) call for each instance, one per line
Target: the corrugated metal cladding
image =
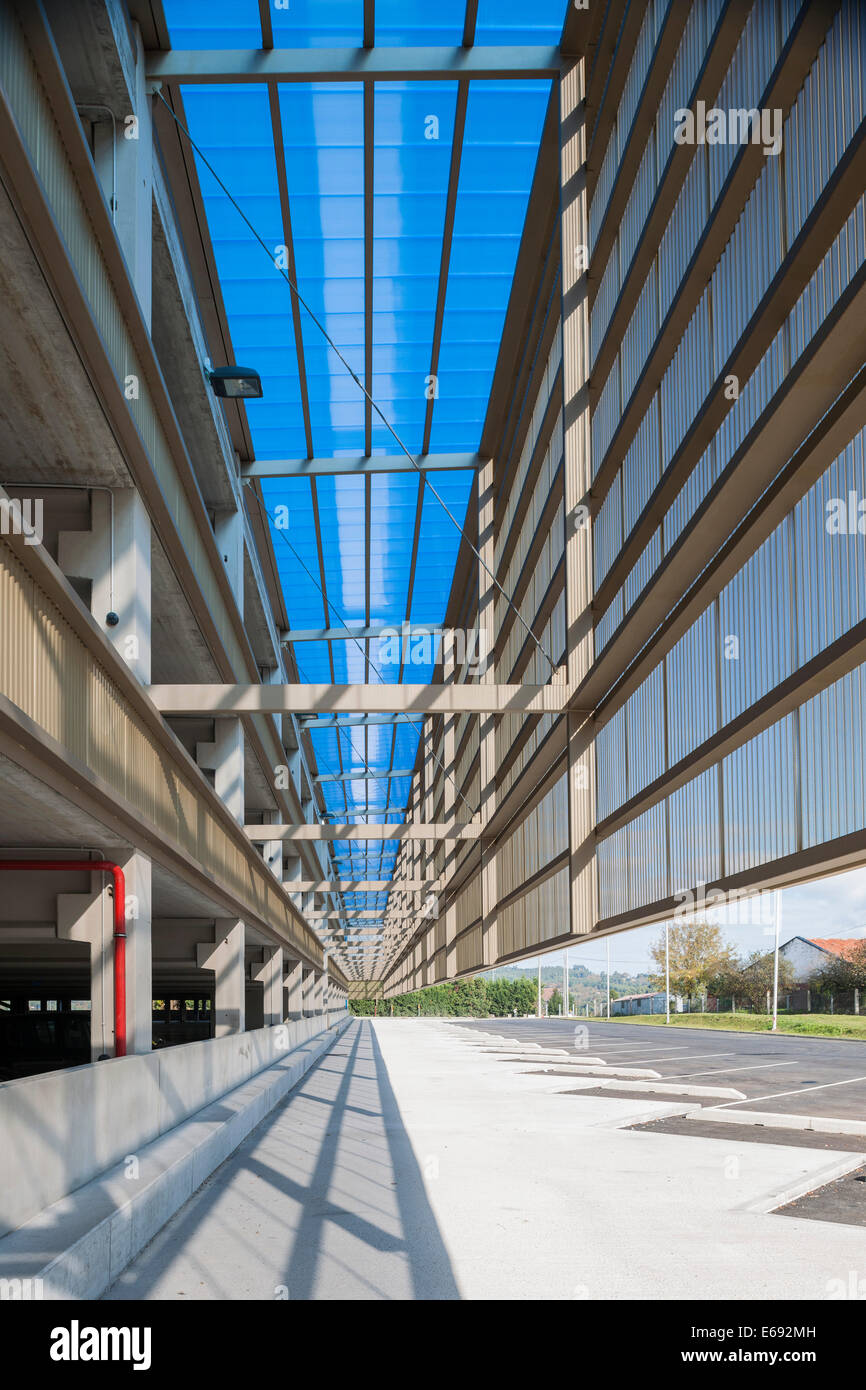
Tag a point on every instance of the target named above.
point(843, 259)
point(833, 760)
point(541, 914)
point(802, 589)
point(761, 814)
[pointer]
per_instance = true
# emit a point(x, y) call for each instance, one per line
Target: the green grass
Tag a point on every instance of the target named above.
point(813, 1025)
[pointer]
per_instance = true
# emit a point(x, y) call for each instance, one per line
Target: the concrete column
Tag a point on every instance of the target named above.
point(139, 966)
point(428, 808)
point(307, 988)
point(272, 850)
point(115, 556)
point(89, 917)
point(226, 959)
point(123, 153)
point(225, 758)
point(578, 480)
point(293, 985)
point(229, 534)
point(487, 725)
point(270, 975)
point(318, 992)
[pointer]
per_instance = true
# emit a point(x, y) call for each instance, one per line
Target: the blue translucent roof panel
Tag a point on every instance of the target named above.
point(318, 23)
point(413, 132)
point(417, 23)
point(500, 149)
point(323, 137)
point(520, 21)
point(379, 548)
point(232, 127)
point(439, 542)
point(217, 24)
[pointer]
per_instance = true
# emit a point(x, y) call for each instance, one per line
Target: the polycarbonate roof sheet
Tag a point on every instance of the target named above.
point(378, 548)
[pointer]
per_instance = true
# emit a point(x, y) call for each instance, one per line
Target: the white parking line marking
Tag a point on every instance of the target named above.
point(726, 1071)
point(636, 1047)
point(697, 1056)
point(801, 1091)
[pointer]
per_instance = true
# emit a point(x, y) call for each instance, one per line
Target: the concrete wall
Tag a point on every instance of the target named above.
point(63, 1128)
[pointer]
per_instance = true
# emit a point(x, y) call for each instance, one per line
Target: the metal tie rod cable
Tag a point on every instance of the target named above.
point(358, 641)
point(386, 422)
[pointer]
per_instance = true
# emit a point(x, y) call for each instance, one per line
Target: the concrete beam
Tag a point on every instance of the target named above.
point(359, 463)
point(462, 698)
point(351, 721)
point(261, 833)
point(359, 634)
point(356, 915)
point(395, 64)
point(360, 885)
point(380, 775)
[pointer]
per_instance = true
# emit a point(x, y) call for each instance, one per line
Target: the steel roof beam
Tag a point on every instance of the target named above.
point(358, 463)
point(357, 885)
point(379, 775)
point(261, 834)
point(455, 698)
point(387, 64)
point(359, 634)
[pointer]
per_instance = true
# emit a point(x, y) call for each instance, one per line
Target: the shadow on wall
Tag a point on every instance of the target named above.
point(325, 1200)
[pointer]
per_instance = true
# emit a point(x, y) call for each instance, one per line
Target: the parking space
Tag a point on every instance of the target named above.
point(772, 1073)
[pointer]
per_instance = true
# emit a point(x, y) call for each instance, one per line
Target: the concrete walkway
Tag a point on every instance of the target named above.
point(419, 1161)
point(324, 1200)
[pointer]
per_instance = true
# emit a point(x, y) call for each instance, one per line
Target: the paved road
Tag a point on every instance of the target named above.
point(783, 1074)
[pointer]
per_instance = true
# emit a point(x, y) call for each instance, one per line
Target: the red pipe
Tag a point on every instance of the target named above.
point(106, 867)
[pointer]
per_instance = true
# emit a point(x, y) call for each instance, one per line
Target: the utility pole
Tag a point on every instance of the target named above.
point(565, 986)
point(538, 1003)
point(778, 915)
point(667, 974)
point(608, 977)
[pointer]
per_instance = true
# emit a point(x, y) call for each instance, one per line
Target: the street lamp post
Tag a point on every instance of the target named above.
point(667, 974)
point(777, 914)
point(608, 977)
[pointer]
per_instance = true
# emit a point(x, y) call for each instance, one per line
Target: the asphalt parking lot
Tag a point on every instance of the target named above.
point(781, 1074)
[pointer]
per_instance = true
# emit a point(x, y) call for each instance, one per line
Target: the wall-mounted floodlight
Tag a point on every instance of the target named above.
point(234, 382)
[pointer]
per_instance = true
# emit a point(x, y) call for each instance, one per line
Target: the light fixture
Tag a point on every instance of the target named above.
point(234, 382)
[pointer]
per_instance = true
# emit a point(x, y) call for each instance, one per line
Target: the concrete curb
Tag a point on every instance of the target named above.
point(660, 1112)
point(773, 1200)
point(80, 1245)
point(663, 1089)
point(819, 1123)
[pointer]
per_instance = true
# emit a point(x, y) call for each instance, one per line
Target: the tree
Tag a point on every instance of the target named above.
point(752, 979)
point(698, 953)
point(842, 973)
point(554, 1003)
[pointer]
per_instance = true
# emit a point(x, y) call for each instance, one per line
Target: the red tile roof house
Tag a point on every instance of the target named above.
point(809, 955)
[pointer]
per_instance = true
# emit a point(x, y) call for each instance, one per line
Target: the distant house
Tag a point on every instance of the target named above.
point(809, 955)
point(652, 1003)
